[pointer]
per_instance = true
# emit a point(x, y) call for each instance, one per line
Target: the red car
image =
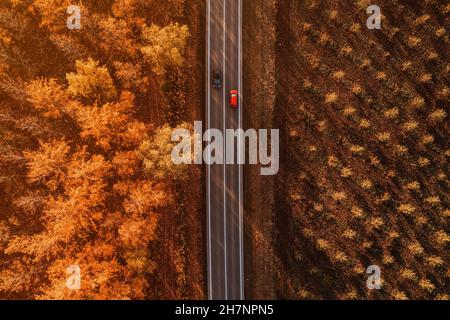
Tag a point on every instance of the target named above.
point(234, 98)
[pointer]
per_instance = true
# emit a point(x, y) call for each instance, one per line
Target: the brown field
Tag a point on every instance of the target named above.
point(364, 151)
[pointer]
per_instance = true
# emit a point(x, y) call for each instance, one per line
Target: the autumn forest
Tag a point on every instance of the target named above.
point(85, 124)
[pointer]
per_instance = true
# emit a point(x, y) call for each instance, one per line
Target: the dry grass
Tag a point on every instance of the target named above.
point(369, 162)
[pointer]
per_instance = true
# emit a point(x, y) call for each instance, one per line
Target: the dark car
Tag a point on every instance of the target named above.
point(217, 80)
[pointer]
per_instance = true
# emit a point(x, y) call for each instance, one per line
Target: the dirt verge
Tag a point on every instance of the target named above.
point(261, 263)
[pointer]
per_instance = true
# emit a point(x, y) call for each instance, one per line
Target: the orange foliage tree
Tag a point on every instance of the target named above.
point(83, 197)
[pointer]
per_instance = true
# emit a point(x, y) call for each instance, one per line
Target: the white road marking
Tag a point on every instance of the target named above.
point(224, 149)
point(209, 136)
point(241, 226)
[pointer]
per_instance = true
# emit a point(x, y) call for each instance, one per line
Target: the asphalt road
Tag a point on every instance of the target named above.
point(224, 182)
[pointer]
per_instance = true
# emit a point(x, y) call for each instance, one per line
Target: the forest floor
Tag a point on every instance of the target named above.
point(183, 246)
point(196, 218)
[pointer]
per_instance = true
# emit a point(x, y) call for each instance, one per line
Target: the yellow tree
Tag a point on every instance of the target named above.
point(156, 154)
point(112, 124)
point(91, 82)
point(164, 46)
